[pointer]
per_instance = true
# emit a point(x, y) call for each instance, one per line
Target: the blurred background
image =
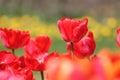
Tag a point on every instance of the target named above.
point(53, 9)
point(39, 17)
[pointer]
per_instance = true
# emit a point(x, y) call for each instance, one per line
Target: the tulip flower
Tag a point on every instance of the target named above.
point(22, 66)
point(85, 47)
point(6, 59)
point(36, 51)
point(10, 74)
point(14, 39)
point(72, 30)
point(14, 67)
point(118, 37)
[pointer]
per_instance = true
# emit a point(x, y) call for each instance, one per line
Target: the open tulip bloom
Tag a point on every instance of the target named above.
point(72, 30)
point(14, 39)
point(79, 63)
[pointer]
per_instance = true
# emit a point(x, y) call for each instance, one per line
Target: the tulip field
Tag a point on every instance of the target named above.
point(69, 49)
point(103, 30)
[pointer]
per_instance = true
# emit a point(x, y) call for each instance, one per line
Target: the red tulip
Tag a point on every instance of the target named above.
point(85, 47)
point(37, 50)
point(14, 39)
point(72, 30)
point(11, 66)
point(118, 37)
point(22, 66)
point(43, 43)
point(9, 75)
point(6, 57)
point(27, 72)
point(17, 65)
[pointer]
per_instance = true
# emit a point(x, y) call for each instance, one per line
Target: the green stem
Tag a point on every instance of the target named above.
point(13, 51)
point(72, 48)
point(42, 75)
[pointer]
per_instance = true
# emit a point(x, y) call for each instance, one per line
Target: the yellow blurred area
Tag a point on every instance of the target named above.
point(36, 26)
point(106, 28)
point(30, 23)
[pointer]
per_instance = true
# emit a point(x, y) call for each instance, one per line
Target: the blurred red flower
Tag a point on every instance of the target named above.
point(11, 74)
point(14, 39)
point(37, 50)
point(62, 67)
point(72, 30)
